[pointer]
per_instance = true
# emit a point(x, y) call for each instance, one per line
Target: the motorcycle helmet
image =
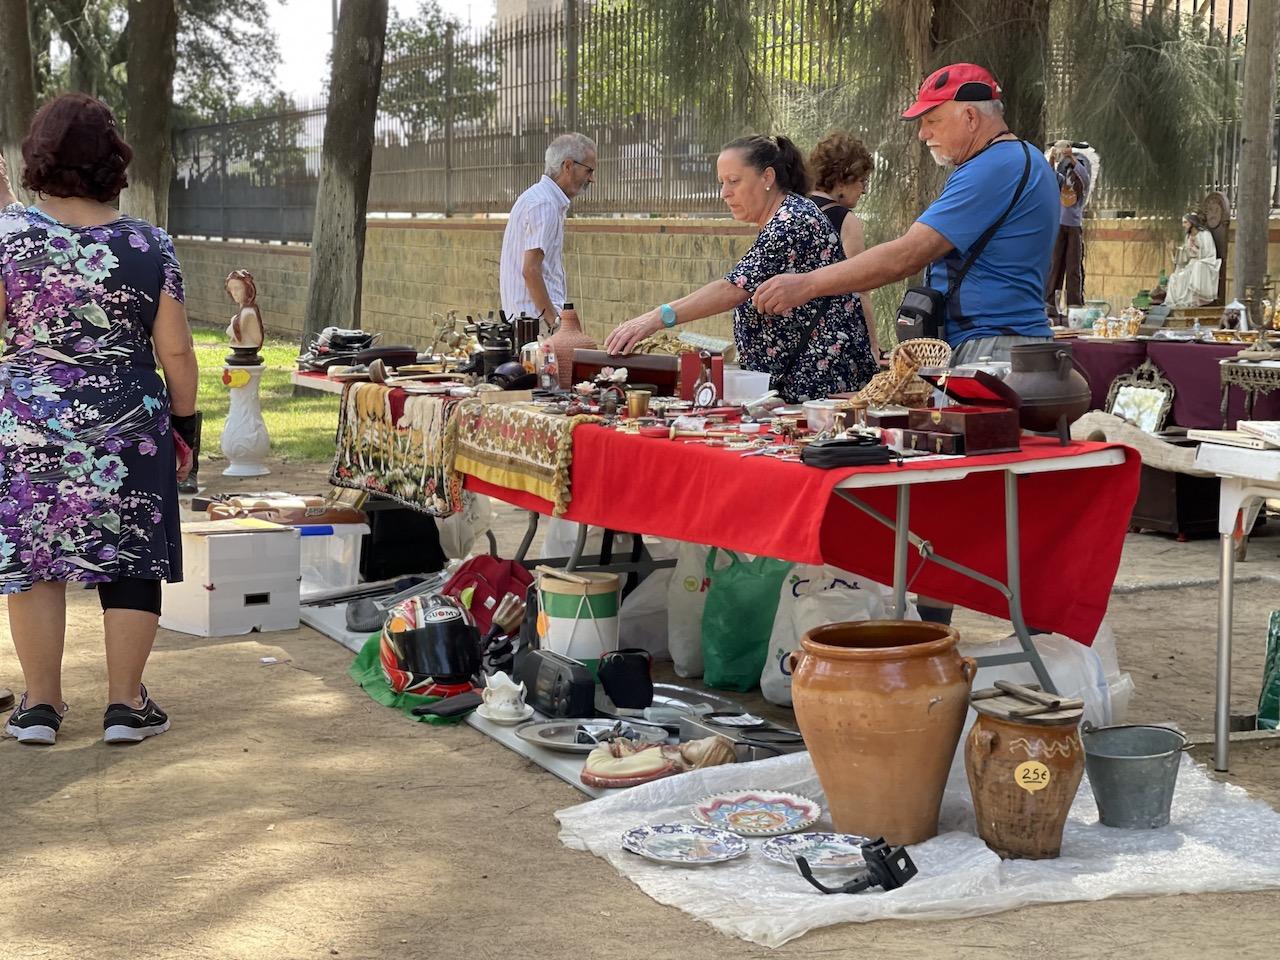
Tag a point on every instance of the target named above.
point(427, 642)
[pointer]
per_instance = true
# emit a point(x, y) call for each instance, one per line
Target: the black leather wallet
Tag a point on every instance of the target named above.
point(845, 452)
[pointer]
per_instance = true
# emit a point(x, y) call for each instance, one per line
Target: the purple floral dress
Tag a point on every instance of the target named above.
point(88, 484)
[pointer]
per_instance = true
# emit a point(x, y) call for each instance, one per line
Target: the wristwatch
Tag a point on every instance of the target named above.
point(668, 315)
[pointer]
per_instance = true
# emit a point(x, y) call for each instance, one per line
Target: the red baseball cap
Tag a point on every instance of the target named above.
point(959, 81)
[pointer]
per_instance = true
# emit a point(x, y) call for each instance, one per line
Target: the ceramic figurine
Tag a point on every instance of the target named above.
point(503, 696)
point(245, 331)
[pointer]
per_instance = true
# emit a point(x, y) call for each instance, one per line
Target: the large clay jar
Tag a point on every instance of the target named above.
point(881, 705)
point(1023, 775)
point(564, 341)
point(1050, 387)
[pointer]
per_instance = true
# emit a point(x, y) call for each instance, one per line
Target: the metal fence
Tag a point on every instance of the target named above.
point(462, 125)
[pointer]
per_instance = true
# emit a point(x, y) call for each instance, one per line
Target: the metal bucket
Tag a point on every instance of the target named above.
point(1133, 770)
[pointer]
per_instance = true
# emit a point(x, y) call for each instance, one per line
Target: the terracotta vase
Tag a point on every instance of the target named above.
point(881, 705)
point(564, 341)
point(1050, 387)
point(1023, 777)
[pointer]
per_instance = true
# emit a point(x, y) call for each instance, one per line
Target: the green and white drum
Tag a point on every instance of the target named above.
point(579, 620)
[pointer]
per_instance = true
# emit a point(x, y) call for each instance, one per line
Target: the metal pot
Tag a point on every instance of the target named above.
point(1053, 392)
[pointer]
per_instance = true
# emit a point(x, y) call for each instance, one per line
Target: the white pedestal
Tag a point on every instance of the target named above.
point(244, 438)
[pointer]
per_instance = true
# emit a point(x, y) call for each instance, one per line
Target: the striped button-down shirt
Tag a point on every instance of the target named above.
point(536, 223)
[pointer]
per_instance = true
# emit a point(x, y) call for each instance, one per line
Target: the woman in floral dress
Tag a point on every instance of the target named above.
point(88, 482)
point(820, 347)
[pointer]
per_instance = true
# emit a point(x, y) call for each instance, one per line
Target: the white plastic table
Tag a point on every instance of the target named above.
point(1248, 478)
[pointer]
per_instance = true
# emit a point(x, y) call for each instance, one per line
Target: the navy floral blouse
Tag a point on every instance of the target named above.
point(820, 347)
point(88, 480)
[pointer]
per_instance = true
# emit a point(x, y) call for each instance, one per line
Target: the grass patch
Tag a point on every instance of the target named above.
point(301, 428)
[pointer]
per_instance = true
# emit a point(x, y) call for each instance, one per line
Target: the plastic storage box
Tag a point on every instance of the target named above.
point(239, 576)
point(331, 555)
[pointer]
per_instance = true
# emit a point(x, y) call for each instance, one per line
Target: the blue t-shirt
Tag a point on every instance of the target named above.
point(1003, 292)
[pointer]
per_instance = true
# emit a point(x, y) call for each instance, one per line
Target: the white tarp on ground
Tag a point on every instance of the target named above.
point(1219, 839)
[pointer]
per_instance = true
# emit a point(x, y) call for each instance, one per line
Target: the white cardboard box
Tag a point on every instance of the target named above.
point(238, 576)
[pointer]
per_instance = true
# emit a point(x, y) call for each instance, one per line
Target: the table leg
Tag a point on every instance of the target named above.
point(528, 537)
point(578, 547)
point(901, 530)
point(1013, 558)
point(1222, 702)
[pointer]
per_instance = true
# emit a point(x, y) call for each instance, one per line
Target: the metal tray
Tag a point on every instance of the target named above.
point(686, 700)
point(562, 735)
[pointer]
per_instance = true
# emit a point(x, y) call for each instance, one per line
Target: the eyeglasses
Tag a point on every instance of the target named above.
point(590, 170)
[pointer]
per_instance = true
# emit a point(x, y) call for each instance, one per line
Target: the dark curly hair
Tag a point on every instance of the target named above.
point(839, 158)
point(761, 153)
point(74, 149)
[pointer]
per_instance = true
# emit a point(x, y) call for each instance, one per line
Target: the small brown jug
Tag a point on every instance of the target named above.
point(1023, 773)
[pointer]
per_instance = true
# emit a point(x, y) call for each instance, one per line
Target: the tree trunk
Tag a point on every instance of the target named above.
point(72, 29)
point(1253, 200)
point(17, 86)
point(153, 54)
point(1011, 39)
point(337, 244)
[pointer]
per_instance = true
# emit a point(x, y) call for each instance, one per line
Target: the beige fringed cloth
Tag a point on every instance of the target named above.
point(517, 446)
point(399, 447)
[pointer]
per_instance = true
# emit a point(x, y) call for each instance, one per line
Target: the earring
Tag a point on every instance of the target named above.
point(767, 189)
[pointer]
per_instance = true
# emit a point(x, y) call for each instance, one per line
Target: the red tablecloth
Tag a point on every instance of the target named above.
point(1072, 523)
point(1192, 368)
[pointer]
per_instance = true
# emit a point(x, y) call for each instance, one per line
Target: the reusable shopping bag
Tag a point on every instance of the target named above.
point(738, 618)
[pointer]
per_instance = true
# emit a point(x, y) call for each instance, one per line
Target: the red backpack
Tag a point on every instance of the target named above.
point(482, 582)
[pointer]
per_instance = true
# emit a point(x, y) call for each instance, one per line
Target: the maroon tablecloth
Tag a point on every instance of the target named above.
point(1192, 368)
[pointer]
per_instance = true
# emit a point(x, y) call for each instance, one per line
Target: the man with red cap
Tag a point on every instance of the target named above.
point(984, 244)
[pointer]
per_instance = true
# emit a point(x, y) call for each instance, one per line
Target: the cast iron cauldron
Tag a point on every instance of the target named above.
point(1054, 394)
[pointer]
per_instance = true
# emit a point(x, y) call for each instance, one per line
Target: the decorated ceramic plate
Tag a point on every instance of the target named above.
point(564, 735)
point(821, 850)
point(757, 813)
point(683, 843)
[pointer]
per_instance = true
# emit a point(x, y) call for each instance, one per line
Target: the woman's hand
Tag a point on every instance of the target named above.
point(784, 292)
point(624, 337)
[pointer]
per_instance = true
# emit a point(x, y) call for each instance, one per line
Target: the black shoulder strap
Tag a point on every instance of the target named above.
point(980, 244)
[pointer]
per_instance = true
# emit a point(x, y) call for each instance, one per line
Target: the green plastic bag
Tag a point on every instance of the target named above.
point(366, 670)
point(1269, 701)
point(738, 619)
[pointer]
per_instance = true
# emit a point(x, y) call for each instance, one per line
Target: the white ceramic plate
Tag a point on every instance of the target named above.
point(506, 719)
point(757, 813)
point(683, 843)
point(822, 850)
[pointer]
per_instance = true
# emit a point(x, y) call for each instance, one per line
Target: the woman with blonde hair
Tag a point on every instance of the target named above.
point(841, 166)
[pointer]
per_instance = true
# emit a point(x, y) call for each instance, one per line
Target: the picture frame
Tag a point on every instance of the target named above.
point(1143, 397)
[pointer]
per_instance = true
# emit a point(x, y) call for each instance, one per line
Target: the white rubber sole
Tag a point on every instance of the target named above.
point(38, 735)
point(125, 734)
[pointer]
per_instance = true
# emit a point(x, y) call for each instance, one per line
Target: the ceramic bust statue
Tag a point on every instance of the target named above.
point(245, 330)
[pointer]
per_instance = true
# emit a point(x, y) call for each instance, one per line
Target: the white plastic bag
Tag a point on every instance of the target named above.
point(813, 596)
point(459, 532)
point(560, 536)
point(643, 618)
point(686, 597)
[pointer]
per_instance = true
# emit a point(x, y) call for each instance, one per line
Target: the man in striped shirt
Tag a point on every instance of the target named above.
point(532, 268)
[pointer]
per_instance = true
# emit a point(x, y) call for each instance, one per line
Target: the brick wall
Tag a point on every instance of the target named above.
point(615, 270)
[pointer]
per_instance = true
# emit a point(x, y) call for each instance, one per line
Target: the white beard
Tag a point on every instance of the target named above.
point(941, 159)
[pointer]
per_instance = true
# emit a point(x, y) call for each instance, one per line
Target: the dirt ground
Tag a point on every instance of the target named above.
point(286, 815)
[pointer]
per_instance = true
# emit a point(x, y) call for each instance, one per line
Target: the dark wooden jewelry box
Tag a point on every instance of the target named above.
point(986, 416)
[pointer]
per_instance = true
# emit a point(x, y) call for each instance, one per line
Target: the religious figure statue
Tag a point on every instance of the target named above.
point(1194, 281)
point(245, 331)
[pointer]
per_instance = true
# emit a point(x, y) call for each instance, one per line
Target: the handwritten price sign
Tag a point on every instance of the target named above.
point(1031, 775)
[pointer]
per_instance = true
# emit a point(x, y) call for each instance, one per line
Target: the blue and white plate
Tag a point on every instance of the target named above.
point(683, 843)
point(821, 850)
point(757, 813)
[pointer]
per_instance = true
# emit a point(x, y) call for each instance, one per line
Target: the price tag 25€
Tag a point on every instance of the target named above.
point(1031, 775)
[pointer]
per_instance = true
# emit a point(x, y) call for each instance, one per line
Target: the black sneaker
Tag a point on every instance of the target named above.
point(123, 723)
point(34, 724)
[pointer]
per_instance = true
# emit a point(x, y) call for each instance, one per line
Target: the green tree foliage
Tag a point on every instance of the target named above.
point(226, 51)
point(417, 74)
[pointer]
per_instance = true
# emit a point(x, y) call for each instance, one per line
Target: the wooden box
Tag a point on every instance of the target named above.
point(658, 372)
point(933, 441)
point(986, 414)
